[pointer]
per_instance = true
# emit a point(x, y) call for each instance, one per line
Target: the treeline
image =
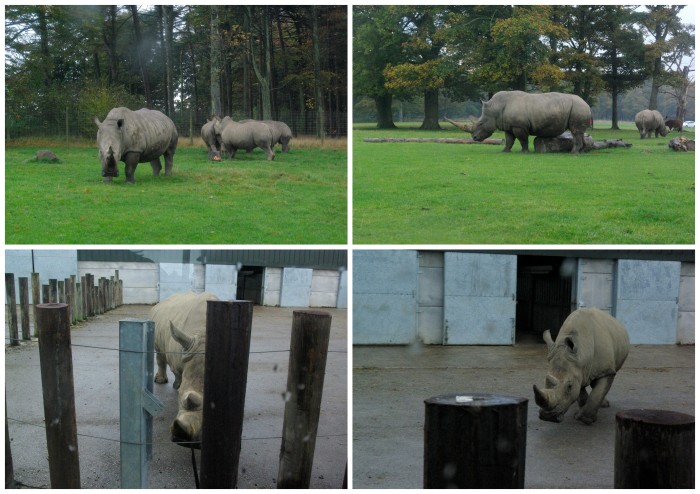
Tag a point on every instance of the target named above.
point(467, 53)
point(70, 63)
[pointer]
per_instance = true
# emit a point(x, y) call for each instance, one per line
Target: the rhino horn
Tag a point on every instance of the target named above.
point(542, 397)
point(184, 340)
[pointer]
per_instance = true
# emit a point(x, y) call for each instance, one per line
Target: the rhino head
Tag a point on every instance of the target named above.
point(187, 426)
point(564, 379)
point(485, 126)
point(109, 143)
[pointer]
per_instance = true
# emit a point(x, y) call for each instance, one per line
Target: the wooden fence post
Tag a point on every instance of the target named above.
point(136, 346)
point(654, 449)
point(9, 469)
point(474, 441)
point(69, 298)
point(225, 379)
point(74, 299)
point(53, 291)
point(307, 367)
point(84, 289)
point(11, 310)
point(62, 293)
point(56, 361)
point(24, 308)
point(45, 297)
point(36, 298)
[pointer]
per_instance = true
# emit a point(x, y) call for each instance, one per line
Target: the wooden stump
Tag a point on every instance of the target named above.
point(474, 441)
point(654, 449)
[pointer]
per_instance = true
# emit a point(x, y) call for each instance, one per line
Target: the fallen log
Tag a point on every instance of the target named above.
point(444, 140)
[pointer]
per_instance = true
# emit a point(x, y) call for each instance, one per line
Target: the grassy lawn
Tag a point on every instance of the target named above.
point(299, 198)
point(430, 193)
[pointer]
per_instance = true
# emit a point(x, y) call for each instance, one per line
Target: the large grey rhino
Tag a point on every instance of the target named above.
point(180, 338)
point(648, 121)
point(281, 133)
point(135, 137)
point(520, 115)
point(590, 348)
point(211, 139)
point(249, 135)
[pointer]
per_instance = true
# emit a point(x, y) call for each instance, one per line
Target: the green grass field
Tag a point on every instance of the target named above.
point(299, 198)
point(434, 193)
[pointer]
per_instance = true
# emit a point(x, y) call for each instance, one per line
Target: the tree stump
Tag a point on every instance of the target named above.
point(654, 449)
point(474, 441)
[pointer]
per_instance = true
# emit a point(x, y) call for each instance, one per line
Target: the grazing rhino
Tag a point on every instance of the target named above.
point(521, 115)
point(674, 124)
point(281, 133)
point(249, 135)
point(590, 348)
point(648, 121)
point(135, 137)
point(210, 138)
point(180, 339)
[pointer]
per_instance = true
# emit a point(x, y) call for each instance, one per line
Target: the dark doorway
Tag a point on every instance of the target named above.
point(544, 296)
point(250, 284)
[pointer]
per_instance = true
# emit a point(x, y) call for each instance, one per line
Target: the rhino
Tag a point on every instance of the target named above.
point(520, 115)
point(210, 138)
point(648, 121)
point(249, 135)
point(281, 133)
point(589, 350)
point(673, 124)
point(135, 137)
point(180, 339)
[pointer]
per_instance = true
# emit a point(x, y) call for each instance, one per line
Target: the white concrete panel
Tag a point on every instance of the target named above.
point(139, 279)
point(324, 288)
point(174, 278)
point(221, 280)
point(272, 287)
point(342, 298)
point(296, 287)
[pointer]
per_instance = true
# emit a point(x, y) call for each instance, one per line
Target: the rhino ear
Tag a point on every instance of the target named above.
point(570, 344)
point(547, 337)
point(97, 121)
point(184, 340)
point(120, 122)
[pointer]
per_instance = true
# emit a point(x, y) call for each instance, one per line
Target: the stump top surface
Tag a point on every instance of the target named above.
point(474, 400)
point(52, 305)
point(655, 417)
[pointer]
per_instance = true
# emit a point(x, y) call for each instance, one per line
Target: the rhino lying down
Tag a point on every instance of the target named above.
point(590, 348)
point(180, 339)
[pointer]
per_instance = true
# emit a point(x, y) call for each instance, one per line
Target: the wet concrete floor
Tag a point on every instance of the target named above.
point(391, 383)
point(96, 382)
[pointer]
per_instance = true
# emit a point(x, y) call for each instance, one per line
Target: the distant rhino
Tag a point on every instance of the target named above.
point(248, 136)
point(674, 124)
point(281, 133)
point(590, 348)
point(180, 338)
point(211, 140)
point(135, 137)
point(648, 121)
point(520, 115)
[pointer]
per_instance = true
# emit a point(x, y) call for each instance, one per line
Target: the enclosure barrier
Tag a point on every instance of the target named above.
point(474, 441)
point(59, 396)
point(83, 299)
point(9, 469)
point(137, 404)
point(654, 449)
point(225, 378)
point(307, 367)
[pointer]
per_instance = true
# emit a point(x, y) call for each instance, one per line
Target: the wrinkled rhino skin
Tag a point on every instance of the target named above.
point(210, 138)
point(648, 121)
point(520, 115)
point(180, 339)
point(135, 137)
point(281, 133)
point(590, 348)
point(249, 135)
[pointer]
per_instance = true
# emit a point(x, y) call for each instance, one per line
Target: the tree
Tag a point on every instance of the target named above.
point(139, 45)
point(215, 67)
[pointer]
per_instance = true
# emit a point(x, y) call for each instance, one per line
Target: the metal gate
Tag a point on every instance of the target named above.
point(296, 287)
point(594, 284)
point(384, 296)
point(647, 300)
point(480, 299)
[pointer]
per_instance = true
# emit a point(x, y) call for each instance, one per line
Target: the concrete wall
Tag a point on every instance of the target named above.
point(139, 279)
point(50, 264)
point(686, 305)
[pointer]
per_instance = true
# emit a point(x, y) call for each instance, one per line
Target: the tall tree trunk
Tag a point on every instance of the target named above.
point(168, 24)
point(139, 55)
point(385, 116)
point(431, 120)
point(320, 124)
point(193, 65)
point(262, 73)
point(44, 46)
point(109, 38)
point(215, 71)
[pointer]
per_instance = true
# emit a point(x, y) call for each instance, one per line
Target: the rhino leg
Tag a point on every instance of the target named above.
point(156, 166)
point(161, 373)
point(168, 159)
point(523, 136)
point(270, 153)
point(130, 162)
point(510, 140)
point(582, 398)
point(599, 388)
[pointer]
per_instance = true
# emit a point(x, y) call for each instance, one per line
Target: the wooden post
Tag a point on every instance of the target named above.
point(307, 368)
point(474, 441)
point(69, 299)
point(11, 310)
point(88, 296)
point(9, 468)
point(45, 297)
point(56, 361)
point(79, 301)
point(36, 298)
point(24, 308)
point(74, 299)
point(225, 378)
point(654, 449)
point(137, 405)
point(62, 293)
point(84, 289)
point(53, 291)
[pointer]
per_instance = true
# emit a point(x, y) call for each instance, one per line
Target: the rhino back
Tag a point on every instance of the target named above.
point(543, 114)
point(188, 312)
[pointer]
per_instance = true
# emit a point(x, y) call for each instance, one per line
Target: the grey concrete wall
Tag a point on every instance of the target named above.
point(686, 305)
point(139, 279)
point(49, 263)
